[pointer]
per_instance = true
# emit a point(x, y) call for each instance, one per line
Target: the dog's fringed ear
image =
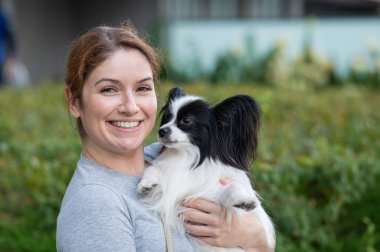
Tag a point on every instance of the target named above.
point(174, 93)
point(237, 129)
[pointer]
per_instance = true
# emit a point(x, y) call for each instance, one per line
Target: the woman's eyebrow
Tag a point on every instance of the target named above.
point(117, 81)
point(145, 79)
point(107, 79)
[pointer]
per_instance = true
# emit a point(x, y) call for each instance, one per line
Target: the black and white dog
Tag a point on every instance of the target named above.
point(201, 145)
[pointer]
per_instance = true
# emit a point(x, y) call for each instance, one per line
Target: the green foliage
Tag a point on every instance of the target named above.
point(306, 71)
point(38, 148)
point(317, 168)
point(320, 154)
point(366, 69)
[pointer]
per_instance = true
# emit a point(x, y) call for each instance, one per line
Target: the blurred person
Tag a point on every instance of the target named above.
point(15, 72)
point(7, 45)
point(110, 90)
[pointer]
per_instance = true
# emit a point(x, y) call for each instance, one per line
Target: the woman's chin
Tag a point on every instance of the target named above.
point(131, 146)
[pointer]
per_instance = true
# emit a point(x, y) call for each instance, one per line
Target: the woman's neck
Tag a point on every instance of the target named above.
point(131, 163)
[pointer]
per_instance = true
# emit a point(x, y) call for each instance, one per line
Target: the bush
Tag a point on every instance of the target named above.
point(365, 70)
point(317, 169)
point(320, 152)
point(306, 71)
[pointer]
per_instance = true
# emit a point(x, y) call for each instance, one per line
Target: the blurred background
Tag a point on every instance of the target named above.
point(313, 65)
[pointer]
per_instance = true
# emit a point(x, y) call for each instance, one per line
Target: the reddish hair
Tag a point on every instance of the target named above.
point(97, 45)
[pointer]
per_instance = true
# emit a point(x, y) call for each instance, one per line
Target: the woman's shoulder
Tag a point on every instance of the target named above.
point(92, 198)
point(93, 185)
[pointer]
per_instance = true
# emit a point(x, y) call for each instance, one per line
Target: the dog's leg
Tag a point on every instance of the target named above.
point(150, 181)
point(235, 195)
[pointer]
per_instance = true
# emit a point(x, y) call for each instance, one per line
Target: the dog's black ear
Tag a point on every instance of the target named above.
point(237, 129)
point(175, 93)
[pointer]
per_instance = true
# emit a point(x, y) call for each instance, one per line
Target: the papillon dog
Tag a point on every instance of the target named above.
point(201, 145)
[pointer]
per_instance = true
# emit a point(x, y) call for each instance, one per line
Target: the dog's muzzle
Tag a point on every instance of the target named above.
point(164, 132)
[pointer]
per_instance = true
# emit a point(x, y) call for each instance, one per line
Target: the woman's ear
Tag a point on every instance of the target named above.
point(73, 103)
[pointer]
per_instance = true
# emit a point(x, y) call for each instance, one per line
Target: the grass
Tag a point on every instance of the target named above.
point(317, 168)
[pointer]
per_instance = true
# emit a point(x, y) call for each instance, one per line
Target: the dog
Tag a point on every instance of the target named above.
point(202, 144)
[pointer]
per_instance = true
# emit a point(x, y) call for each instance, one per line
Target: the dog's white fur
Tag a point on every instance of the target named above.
point(171, 179)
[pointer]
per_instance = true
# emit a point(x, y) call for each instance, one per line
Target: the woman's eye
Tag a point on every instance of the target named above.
point(144, 89)
point(108, 90)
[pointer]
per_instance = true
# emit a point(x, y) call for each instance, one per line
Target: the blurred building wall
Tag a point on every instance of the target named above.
point(340, 40)
point(44, 29)
point(200, 30)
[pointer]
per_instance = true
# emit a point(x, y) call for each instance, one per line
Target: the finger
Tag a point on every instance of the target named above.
point(202, 218)
point(203, 205)
point(200, 230)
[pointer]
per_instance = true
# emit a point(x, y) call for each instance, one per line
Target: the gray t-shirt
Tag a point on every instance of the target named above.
point(101, 211)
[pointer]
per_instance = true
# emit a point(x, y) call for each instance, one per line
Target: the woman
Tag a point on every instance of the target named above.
point(110, 91)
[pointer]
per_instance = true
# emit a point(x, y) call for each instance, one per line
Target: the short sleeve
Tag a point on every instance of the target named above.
point(152, 151)
point(94, 219)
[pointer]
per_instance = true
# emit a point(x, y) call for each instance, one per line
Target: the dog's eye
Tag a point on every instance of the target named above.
point(186, 121)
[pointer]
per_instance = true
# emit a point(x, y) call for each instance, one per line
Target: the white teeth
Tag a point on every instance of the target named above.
point(126, 125)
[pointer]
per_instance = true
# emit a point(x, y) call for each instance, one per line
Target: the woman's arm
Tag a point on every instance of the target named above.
point(208, 223)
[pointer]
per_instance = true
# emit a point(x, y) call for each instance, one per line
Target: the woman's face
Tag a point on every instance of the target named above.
point(119, 104)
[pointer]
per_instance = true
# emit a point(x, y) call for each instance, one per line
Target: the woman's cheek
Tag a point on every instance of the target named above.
point(152, 107)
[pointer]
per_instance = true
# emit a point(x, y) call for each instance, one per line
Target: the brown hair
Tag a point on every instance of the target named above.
point(94, 47)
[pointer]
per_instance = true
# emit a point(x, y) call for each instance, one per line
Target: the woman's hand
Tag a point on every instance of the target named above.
point(207, 222)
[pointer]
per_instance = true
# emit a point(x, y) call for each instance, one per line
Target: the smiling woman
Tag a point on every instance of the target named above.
point(94, 47)
point(117, 110)
point(110, 91)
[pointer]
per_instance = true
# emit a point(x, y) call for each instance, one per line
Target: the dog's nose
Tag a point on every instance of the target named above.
point(164, 131)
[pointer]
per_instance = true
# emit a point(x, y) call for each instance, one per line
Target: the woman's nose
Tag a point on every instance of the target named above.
point(128, 104)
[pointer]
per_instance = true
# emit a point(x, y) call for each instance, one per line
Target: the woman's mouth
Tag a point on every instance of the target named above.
point(125, 125)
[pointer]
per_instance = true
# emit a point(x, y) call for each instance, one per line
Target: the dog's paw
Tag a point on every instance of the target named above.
point(235, 195)
point(246, 205)
point(245, 201)
point(145, 187)
point(149, 182)
point(146, 190)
